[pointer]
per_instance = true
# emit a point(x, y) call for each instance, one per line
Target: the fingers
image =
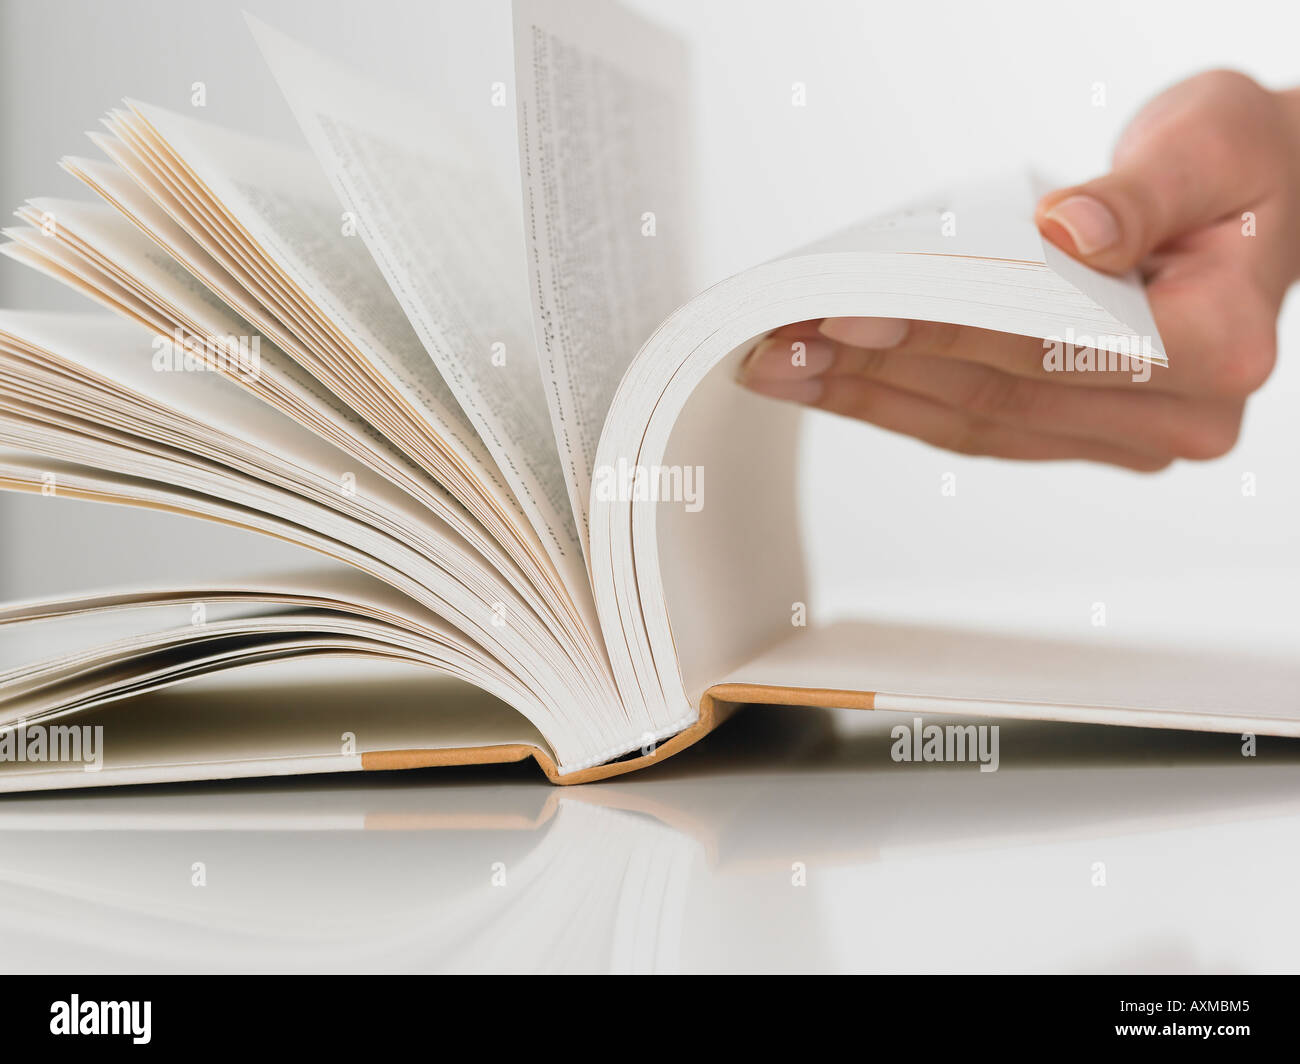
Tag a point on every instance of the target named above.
point(1154, 424)
point(956, 430)
point(1215, 318)
point(1020, 356)
point(1202, 151)
point(1220, 327)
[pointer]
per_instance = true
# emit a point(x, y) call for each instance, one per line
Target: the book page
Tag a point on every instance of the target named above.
point(989, 219)
point(158, 280)
point(992, 222)
point(446, 237)
point(280, 200)
point(227, 445)
point(603, 145)
point(283, 716)
point(677, 417)
point(928, 669)
point(731, 568)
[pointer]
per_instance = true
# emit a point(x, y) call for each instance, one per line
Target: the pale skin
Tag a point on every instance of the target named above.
point(1206, 162)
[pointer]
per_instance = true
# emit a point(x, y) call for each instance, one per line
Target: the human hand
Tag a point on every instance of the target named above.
point(1185, 173)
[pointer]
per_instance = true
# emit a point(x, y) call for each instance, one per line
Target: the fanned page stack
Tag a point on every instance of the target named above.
point(506, 419)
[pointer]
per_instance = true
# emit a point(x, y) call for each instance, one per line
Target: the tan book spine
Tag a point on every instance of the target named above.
point(717, 704)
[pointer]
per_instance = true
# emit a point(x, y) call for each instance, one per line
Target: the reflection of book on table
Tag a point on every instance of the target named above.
point(504, 418)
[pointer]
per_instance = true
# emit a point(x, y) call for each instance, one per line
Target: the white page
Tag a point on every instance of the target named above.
point(380, 519)
point(156, 278)
point(993, 282)
point(993, 221)
point(133, 202)
point(602, 99)
point(446, 236)
point(281, 717)
point(925, 669)
point(279, 197)
point(118, 354)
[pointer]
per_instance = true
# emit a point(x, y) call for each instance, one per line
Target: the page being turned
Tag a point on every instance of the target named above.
point(603, 136)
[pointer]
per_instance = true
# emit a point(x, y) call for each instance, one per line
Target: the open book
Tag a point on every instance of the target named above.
point(508, 422)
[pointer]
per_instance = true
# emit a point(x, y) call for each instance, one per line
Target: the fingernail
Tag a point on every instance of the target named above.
point(779, 358)
point(807, 391)
point(1087, 221)
point(866, 332)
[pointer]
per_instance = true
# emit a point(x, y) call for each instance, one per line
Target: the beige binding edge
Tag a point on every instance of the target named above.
point(717, 704)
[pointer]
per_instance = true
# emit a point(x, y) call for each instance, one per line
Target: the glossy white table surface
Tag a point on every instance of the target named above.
point(693, 866)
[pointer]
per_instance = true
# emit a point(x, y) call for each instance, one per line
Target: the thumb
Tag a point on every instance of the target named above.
point(1185, 162)
point(1114, 222)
